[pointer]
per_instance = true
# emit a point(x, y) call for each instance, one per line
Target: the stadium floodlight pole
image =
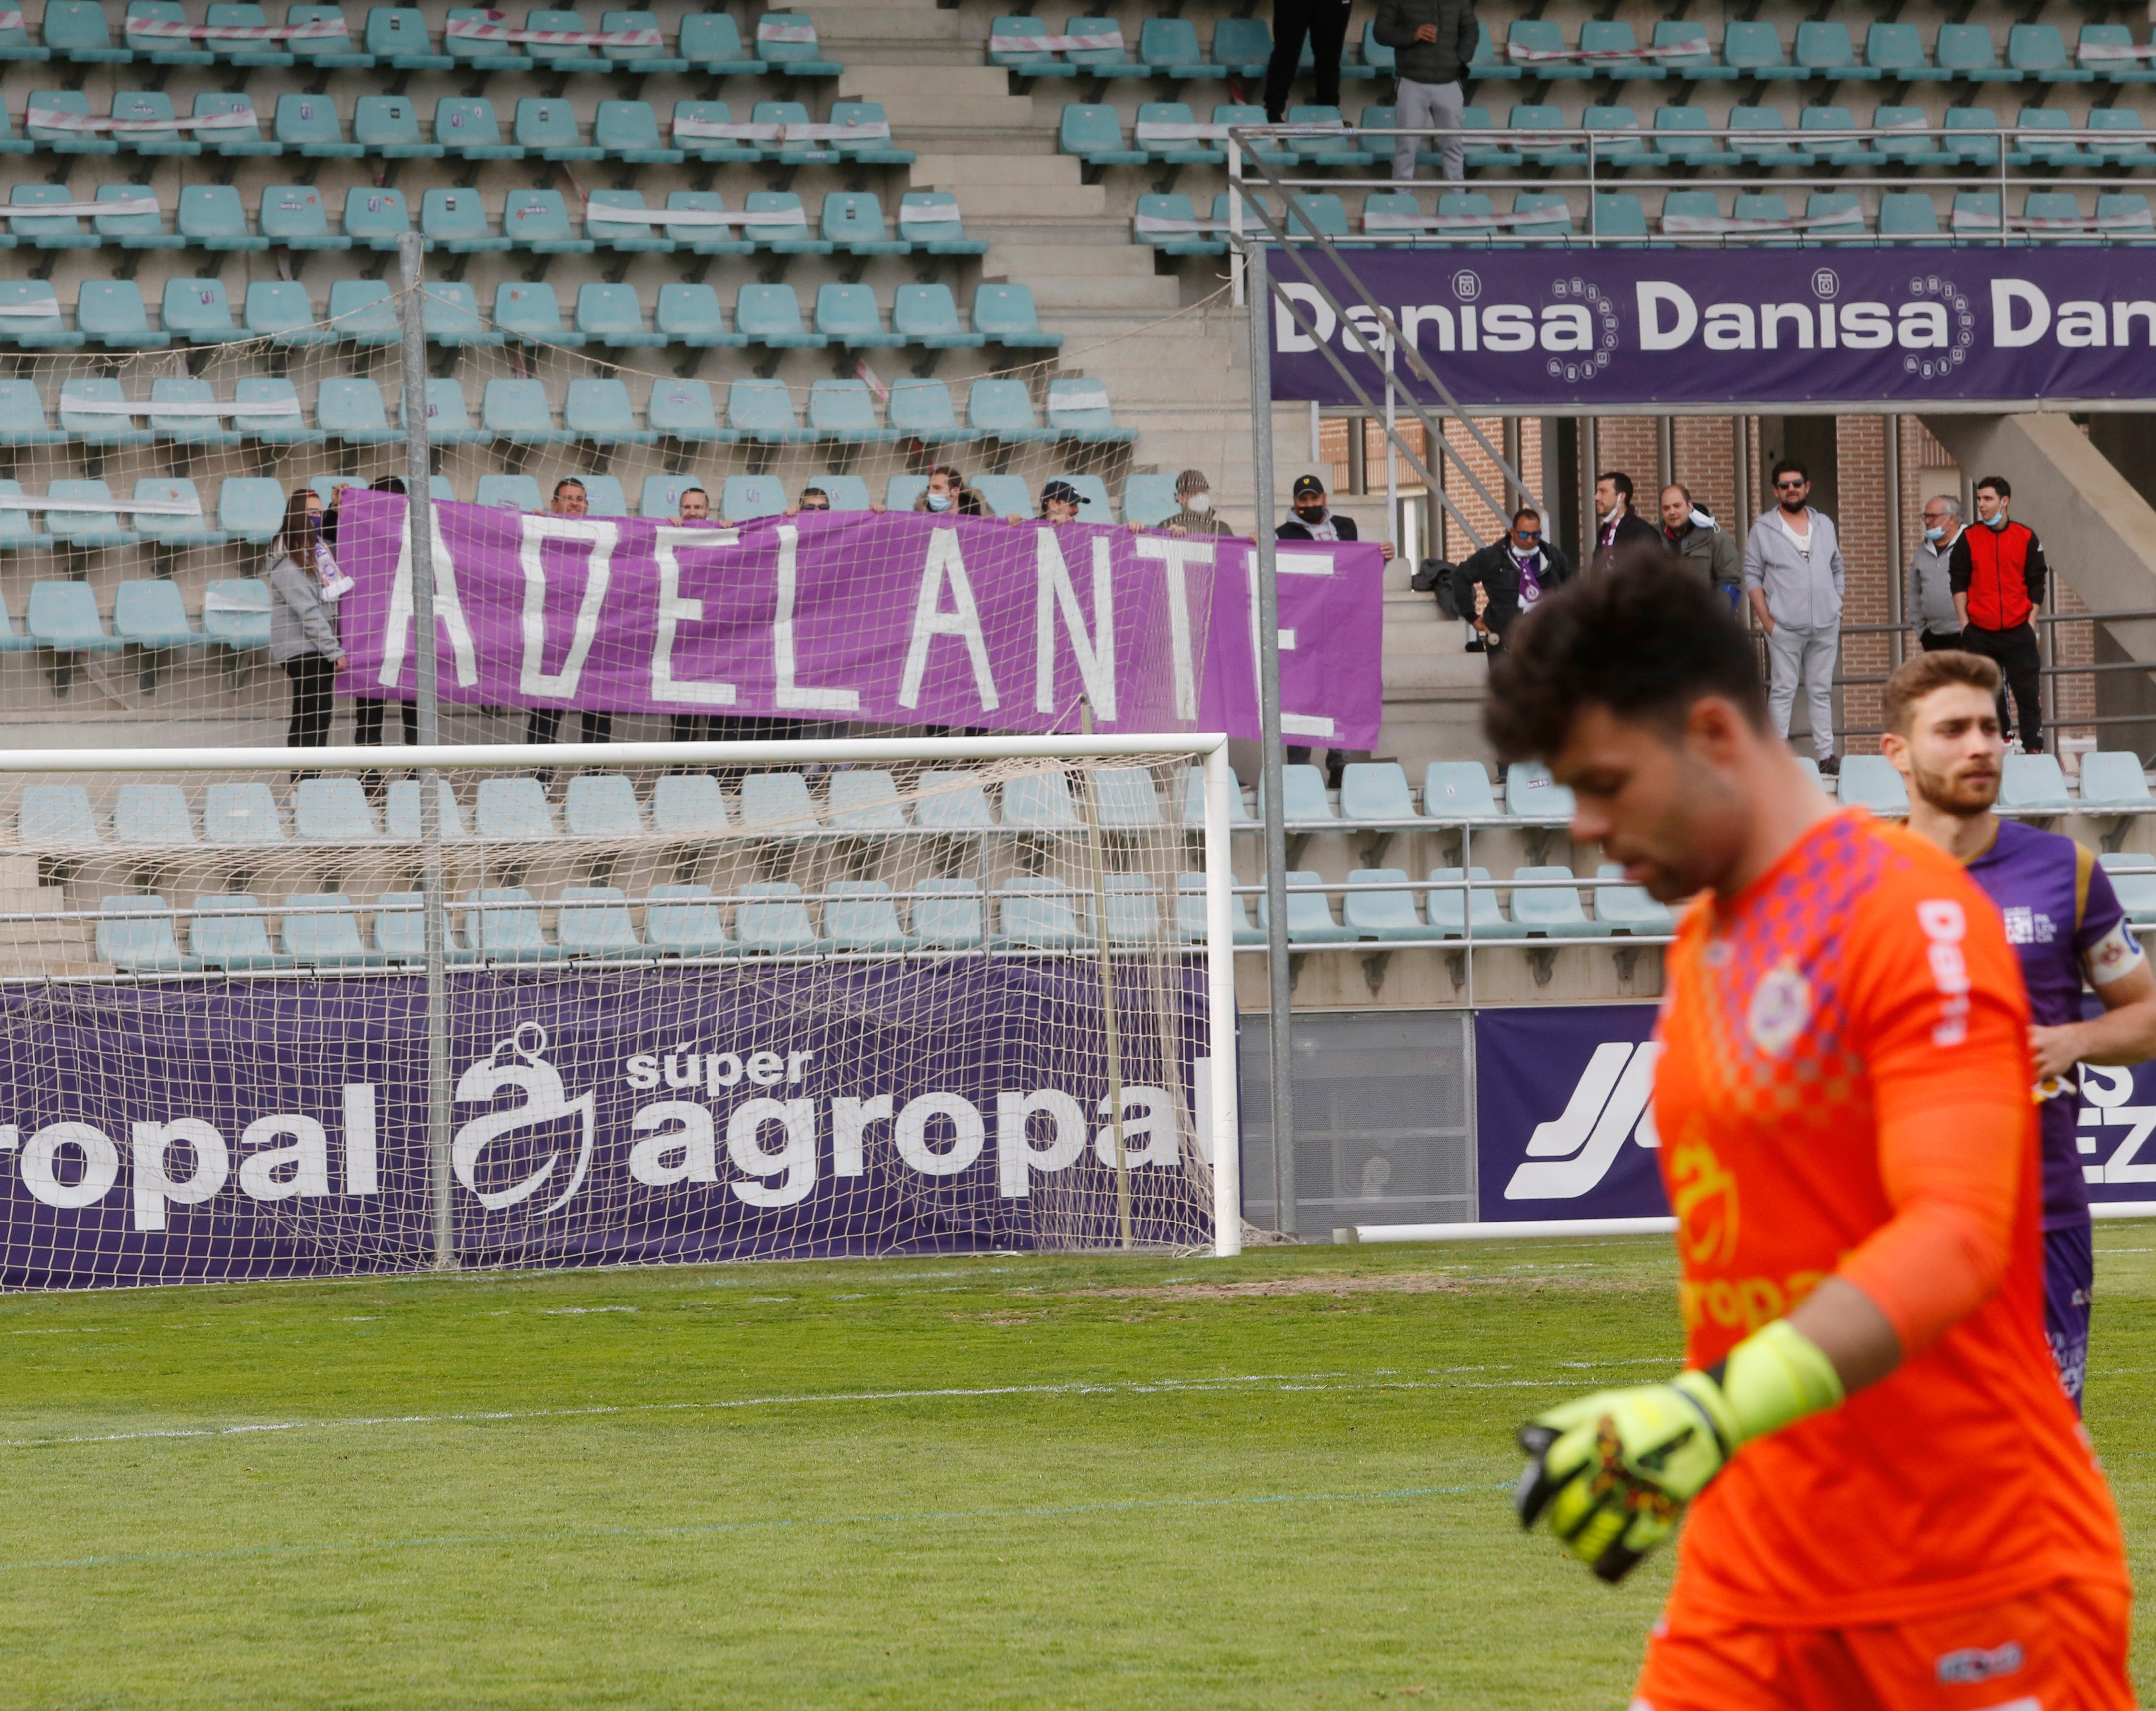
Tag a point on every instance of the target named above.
point(1107, 965)
point(419, 521)
point(1265, 562)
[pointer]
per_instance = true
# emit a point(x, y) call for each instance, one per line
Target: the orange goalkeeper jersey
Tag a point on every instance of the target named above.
point(1865, 976)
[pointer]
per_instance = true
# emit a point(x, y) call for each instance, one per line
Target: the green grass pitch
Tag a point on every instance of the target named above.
point(1001, 1480)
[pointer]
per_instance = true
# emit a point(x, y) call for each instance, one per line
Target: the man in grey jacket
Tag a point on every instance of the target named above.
point(1432, 41)
point(1792, 572)
point(1931, 606)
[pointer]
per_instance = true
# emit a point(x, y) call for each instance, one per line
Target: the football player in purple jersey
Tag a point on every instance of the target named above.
point(2063, 919)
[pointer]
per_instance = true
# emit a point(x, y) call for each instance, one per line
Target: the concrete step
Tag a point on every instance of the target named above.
point(1051, 173)
point(1007, 261)
point(987, 201)
point(940, 96)
point(1149, 293)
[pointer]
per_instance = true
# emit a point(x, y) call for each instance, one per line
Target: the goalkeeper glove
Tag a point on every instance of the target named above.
point(1614, 1471)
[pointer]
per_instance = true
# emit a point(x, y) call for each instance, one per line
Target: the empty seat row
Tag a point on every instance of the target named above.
point(1167, 47)
point(857, 802)
point(456, 221)
point(1381, 906)
point(465, 127)
point(110, 312)
point(504, 924)
point(159, 32)
point(2030, 784)
point(64, 617)
point(1399, 217)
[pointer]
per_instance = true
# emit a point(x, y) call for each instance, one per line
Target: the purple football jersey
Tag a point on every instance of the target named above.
point(2060, 908)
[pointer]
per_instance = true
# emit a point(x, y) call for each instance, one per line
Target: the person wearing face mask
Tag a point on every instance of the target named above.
point(1513, 574)
point(1931, 576)
point(947, 495)
point(1314, 521)
point(1998, 578)
point(1618, 535)
point(1194, 507)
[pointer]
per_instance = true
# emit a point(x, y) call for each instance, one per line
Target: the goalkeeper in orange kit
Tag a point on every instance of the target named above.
point(1891, 1502)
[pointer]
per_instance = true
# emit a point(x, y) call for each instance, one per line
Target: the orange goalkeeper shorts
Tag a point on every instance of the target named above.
point(2061, 1648)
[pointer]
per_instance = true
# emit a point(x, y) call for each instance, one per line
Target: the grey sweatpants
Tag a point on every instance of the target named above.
point(1798, 654)
point(1431, 106)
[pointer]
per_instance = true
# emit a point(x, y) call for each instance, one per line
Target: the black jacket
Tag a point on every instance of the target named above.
point(1635, 535)
point(1494, 569)
point(1440, 61)
point(1294, 530)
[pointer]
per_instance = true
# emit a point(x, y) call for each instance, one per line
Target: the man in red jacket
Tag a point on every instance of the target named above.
point(1997, 575)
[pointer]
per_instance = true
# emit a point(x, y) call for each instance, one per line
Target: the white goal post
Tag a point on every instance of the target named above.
point(766, 998)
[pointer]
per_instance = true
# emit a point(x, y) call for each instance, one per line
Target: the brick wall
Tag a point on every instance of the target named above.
point(1868, 562)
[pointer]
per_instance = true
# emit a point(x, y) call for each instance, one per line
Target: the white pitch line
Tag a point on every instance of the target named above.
point(1148, 1387)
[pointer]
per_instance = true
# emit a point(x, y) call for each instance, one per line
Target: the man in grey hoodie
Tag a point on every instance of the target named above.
point(1432, 41)
point(1793, 572)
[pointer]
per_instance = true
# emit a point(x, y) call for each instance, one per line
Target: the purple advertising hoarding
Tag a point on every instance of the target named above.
point(1607, 329)
point(193, 1130)
point(896, 617)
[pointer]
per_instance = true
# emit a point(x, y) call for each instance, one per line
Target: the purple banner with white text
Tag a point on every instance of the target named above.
point(1610, 329)
point(892, 618)
point(208, 1129)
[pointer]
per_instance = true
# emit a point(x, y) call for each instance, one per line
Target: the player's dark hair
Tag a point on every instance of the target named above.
point(1789, 466)
point(1647, 640)
point(1999, 485)
point(1618, 479)
point(1915, 679)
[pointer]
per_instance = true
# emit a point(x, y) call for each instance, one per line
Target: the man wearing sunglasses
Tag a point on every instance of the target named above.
point(1793, 573)
point(1511, 577)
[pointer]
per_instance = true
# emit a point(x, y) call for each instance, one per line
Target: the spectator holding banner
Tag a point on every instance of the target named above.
point(1193, 513)
point(947, 495)
point(1998, 578)
point(1432, 41)
point(1793, 572)
point(303, 620)
point(544, 724)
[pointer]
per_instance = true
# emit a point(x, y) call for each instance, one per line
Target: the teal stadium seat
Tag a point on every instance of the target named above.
point(150, 614)
point(236, 610)
point(749, 498)
point(320, 930)
point(294, 217)
point(593, 920)
point(775, 922)
point(922, 409)
point(611, 315)
point(931, 221)
point(597, 410)
point(1382, 915)
point(629, 130)
point(1870, 781)
point(221, 937)
point(1309, 913)
point(333, 811)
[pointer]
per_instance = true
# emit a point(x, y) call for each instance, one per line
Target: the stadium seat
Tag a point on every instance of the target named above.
point(2038, 51)
point(1040, 802)
point(1094, 135)
point(2133, 879)
point(1895, 51)
point(55, 815)
point(776, 922)
point(1382, 915)
point(599, 410)
point(624, 237)
point(770, 316)
point(777, 801)
point(762, 411)
point(844, 411)
point(1758, 139)
point(1078, 409)
point(951, 801)
point(861, 917)
point(1093, 504)
point(1190, 921)
point(949, 919)
point(1531, 794)
point(1169, 45)
point(400, 925)
point(2033, 784)
point(928, 316)
point(1303, 791)
point(1627, 909)
point(593, 920)
point(1619, 216)
point(513, 809)
point(847, 314)
point(236, 610)
point(332, 810)
point(684, 128)
point(611, 315)
point(786, 42)
point(1131, 910)
point(548, 129)
point(244, 813)
point(46, 232)
point(689, 805)
point(1005, 314)
point(922, 409)
point(1375, 792)
point(351, 409)
point(1149, 499)
point(529, 314)
point(1456, 909)
point(1548, 912)
point(509, 932)
point(388, 126)
point(402, 815)
point(1815, 127)
point(87, 528)
point(930, 221)
point(23, 416)
point(2114, 782)
point(853, 224)
point(1003, 409)
point(519, 412)
point(144, 944)
point(629, 130)
point(2104, 146)
point(1870, 781)
point(1969, 52)
point(1153, 135)
point(1693, 67)
point(172, 531)
point(320, 930)
point(82, 420)
point(109, 312)
point(1040, 913)
point(1617, 139)
point(293, 217)
point(863, 798)
point(1615, 38)
point(130, 231)
point(1676, 136)
point(1825, 51)
point(2099, 49)
point(1909, 215)
point(152, 814)
point(150, 614)
point(681, 410)
point(467, 128)
point(1243, 46)
point(747, 499)
point(1309, 913)
point(1755, 49)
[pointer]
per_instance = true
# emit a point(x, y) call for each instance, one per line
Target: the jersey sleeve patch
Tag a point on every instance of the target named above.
point(2112, 957)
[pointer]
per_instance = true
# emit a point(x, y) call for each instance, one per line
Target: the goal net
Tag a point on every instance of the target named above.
point(697, 1002)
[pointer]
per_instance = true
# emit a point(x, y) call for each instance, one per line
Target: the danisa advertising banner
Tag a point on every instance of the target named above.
point(896, 618)
point(1608, 328)
point(164, 1133)
point(1566, 1125)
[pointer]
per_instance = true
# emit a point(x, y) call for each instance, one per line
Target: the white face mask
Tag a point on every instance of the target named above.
point(1198, 504)
point(939, 502)
point(1997, 520)
point(1936, 532)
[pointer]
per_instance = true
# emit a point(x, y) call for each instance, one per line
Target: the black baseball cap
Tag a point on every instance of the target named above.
point(1309, 487)
point(1060, 489)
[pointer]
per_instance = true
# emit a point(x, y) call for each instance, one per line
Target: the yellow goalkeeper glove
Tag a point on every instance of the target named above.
point(1614, 1472)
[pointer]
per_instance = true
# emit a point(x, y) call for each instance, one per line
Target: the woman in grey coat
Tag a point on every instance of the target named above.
point(304, 586)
